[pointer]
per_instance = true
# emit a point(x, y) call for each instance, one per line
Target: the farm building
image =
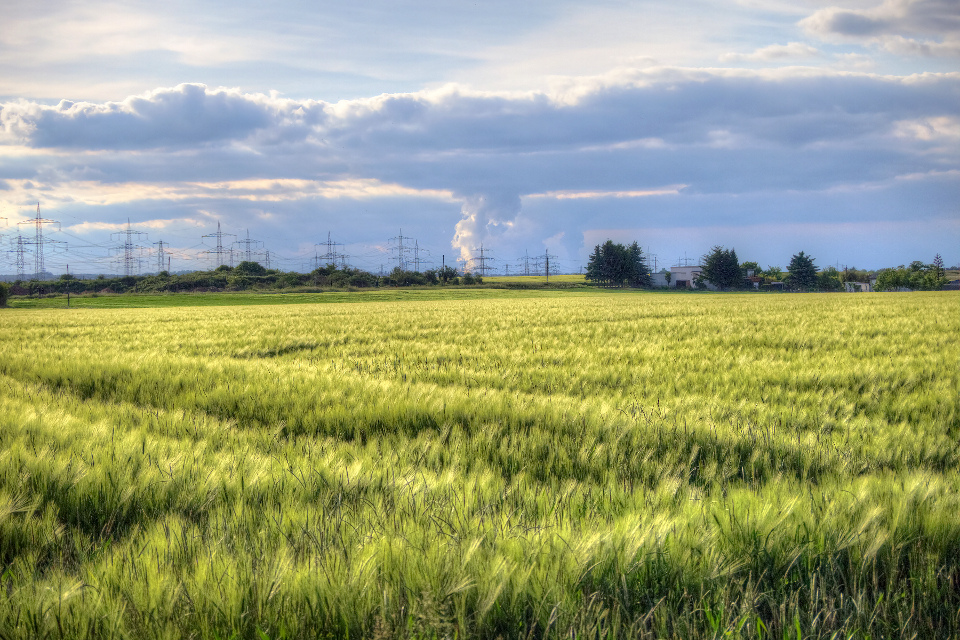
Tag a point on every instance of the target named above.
point(659, 279)
point(685, 277)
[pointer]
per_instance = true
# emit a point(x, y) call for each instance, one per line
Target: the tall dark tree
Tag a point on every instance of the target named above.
point(722, 269)
point(639, 271)
point(939, 273)
point(594, 265)
point(802, 272)
point(615, 265)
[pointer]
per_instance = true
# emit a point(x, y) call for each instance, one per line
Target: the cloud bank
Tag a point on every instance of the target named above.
point(635, 151)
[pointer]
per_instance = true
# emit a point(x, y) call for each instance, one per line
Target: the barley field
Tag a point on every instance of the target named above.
point(500, 466)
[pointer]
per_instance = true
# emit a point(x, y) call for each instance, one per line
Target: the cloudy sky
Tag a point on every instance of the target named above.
point(770, 126)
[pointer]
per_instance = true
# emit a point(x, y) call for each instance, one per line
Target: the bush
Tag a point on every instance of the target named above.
point(250, 269)
point(4, 294)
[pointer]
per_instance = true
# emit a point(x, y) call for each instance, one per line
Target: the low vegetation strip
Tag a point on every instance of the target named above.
point(642, 465)
point(250, 298)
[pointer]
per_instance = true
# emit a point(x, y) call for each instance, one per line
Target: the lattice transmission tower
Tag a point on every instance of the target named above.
point(331, 255)
point(39, 241)
point(219, 252)
point(480, 262)
point(163, 257)
point(128, 251)
point(19, 250)
point(417, 260)
point(4, 224)
point(524, 263)
point(546, 264)
point(249, 248)
point(402, 250)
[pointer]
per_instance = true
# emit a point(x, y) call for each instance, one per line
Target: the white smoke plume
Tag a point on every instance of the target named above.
point(485, 218)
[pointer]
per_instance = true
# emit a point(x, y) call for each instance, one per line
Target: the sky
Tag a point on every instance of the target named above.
point(427, 131)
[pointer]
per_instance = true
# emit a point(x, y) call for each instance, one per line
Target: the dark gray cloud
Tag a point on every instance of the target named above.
point(906, 27)
point(187, 115)
point(904, 17)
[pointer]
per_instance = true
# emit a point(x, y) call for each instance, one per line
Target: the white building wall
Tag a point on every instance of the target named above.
point(687, 274)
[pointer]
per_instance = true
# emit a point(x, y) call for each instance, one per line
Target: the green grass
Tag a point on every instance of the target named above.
point(387, 294)
point(556, 279)
point(540, 465)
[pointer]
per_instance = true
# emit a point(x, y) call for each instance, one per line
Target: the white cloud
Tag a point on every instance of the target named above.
point(57, 33)
point(776, 52)
point(855, 62)
point(942, 129)
point(592, 195)
point(910, 46)
point(264, 190)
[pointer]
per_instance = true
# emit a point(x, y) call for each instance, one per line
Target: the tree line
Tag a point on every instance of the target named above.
point(616, 265)
point(610, 265)
point(245, 276)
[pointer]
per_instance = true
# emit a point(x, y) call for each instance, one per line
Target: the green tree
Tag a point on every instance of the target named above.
point(774, 273)
point(400, 278)
point(722, 269)
point(891, 279)
point(592, 273)
point(917, 276)
point(830, 280)
point(4, 294)
point(250, 269)
point(447, 274)
point(615, 265)
point(638, 272)
point(852, 274)
point(802, 272)
point(938, 273)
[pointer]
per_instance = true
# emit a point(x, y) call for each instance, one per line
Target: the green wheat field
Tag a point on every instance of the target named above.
point(503, 465)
